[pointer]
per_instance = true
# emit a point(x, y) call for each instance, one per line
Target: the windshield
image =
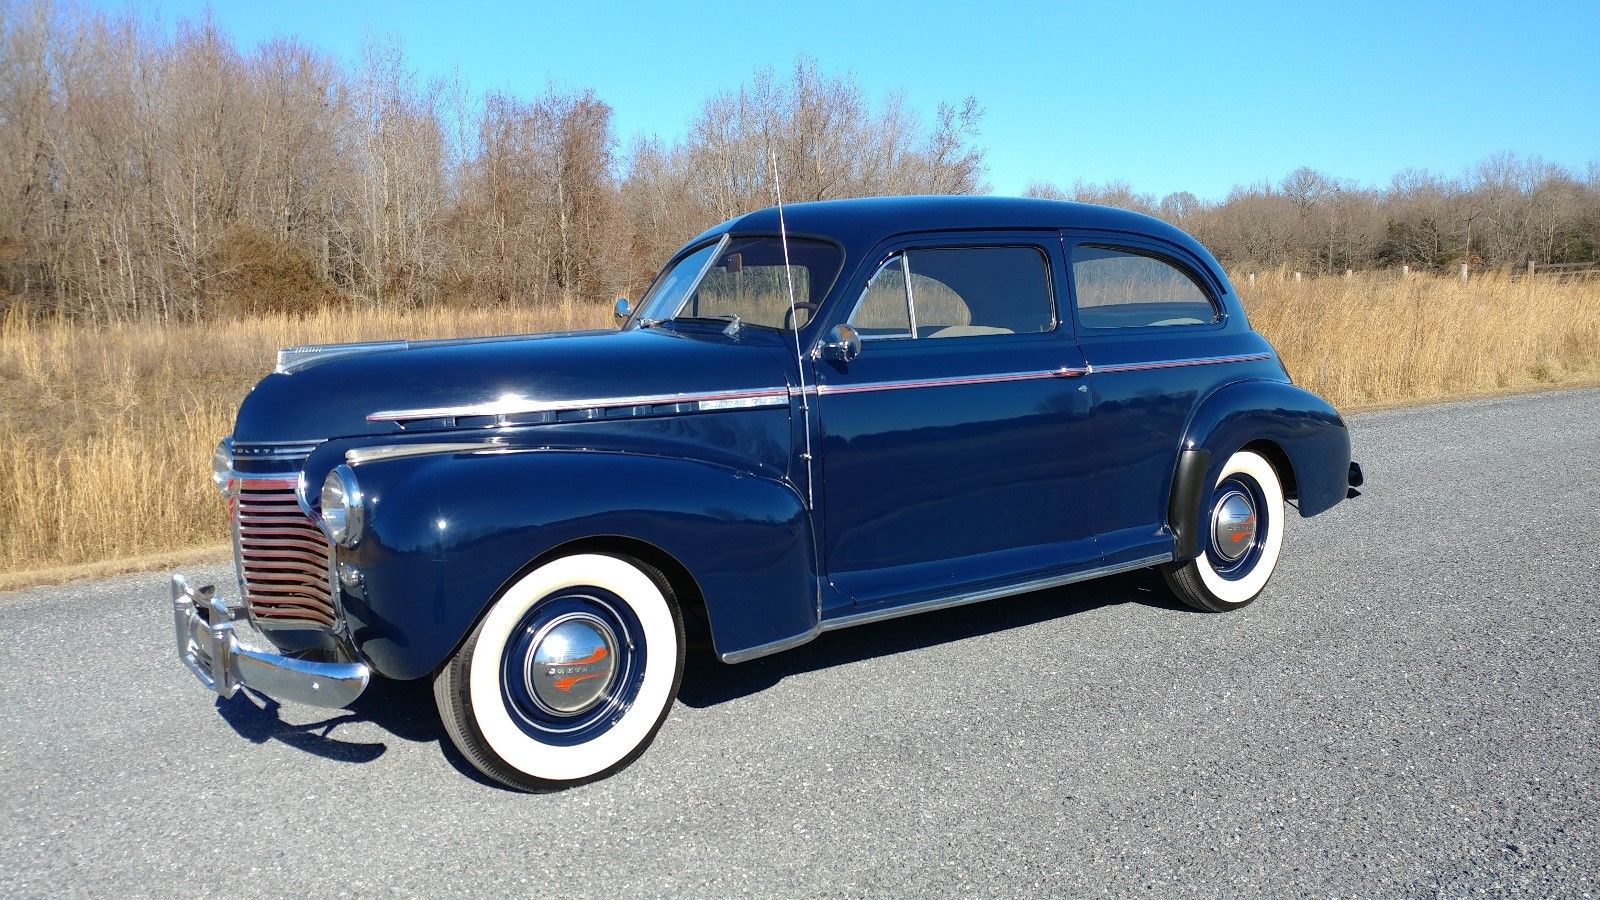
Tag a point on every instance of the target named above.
point(744, 277)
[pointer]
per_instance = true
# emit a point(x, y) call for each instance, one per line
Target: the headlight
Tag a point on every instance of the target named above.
point(343, 507)
point(222, 466)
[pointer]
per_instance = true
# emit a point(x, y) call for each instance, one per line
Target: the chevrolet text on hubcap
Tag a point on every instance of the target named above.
point(572, 664)
point(569, 674)
point(1233, 524)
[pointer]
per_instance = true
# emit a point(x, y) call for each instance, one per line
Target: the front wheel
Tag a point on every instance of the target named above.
point(569, 676)
point(1244, 532)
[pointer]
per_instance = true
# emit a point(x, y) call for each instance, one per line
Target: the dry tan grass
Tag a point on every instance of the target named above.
point(106, 434)
point(1378, 338)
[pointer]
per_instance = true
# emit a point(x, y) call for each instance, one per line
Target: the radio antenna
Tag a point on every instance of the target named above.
point(794, 317)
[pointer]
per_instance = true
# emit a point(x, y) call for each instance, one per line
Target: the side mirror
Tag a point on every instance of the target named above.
point(621, 311)
point(842, 345)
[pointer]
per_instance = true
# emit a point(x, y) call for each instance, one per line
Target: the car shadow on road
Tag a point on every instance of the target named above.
point(707, 682)
point(405, 709)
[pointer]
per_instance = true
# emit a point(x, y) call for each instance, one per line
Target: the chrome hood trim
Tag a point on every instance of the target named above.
point(294, 359)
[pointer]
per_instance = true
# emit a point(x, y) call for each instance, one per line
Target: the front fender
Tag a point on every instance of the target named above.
point(1309, 432)
point(448, 532)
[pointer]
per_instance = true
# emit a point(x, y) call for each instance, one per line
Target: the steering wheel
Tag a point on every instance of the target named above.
point(788, 315)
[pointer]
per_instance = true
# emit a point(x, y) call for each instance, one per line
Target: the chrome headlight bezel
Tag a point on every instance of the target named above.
point(222, 466)
point(343, 507)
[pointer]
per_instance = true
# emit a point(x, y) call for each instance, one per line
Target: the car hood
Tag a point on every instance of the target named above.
point(335, 396)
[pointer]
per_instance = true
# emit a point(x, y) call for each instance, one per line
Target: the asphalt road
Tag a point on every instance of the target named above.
point(1410, 710)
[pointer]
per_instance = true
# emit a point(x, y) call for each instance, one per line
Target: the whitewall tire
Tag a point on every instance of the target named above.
point(1242, 537)
point(569, 675)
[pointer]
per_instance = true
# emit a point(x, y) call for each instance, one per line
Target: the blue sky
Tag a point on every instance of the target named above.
point(1165, 95)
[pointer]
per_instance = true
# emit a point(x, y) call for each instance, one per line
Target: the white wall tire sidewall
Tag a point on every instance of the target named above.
point(548, 761)
point(1245, 589)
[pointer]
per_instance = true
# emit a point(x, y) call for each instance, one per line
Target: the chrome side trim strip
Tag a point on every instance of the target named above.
point(1178, 363)
point(398, 451)
point(961, 599)
point(908, 384)
point(510, 406)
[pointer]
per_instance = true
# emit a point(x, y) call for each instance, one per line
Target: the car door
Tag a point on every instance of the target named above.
point(1156, 337)
point(951, 447)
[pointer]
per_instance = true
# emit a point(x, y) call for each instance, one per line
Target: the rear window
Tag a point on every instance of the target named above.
point(1119, 288)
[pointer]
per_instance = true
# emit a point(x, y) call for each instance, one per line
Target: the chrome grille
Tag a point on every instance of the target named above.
point(283, 556)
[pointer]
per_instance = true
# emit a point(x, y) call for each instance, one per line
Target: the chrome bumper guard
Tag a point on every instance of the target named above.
point(208, 646)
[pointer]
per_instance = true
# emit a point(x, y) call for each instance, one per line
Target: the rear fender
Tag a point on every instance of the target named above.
point(447, 533)
point(1307, 433)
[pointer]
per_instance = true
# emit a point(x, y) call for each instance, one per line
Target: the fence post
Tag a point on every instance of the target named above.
point(1252, 279)
point(1297, 278)
point(1404, 271)
point(1530, 268)
point(1463, 273)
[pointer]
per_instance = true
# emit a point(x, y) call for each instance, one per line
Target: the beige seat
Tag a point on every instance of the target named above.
point(968, 331)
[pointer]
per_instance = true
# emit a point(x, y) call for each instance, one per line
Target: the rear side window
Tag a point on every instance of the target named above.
point(1126, 289)
point(958, 292)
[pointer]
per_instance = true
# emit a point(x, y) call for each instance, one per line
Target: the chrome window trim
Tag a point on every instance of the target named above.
point(911, 294)
point(911, 316)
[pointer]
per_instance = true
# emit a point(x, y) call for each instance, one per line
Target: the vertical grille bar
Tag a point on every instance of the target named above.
point(283, 556)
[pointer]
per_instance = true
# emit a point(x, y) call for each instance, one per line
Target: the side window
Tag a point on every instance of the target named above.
point(884, 310)
point(1128, 289)
point(958, 292)
point(968, 291)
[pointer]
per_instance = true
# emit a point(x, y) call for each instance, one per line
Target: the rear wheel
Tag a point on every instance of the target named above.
point(569, 676)
point(1243, 536)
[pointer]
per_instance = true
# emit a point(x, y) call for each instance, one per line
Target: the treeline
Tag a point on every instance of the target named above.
point(147, 175)
point(1503, 213)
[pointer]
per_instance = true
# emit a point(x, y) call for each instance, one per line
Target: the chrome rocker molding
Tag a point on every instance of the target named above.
point(962, 599)
point(207, 645)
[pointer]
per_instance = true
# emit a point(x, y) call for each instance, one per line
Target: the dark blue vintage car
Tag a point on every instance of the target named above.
point(819, 416)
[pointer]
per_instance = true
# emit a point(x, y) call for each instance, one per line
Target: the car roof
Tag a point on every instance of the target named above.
point(866, 220)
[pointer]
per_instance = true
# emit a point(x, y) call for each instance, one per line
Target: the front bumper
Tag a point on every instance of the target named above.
point(208, 646)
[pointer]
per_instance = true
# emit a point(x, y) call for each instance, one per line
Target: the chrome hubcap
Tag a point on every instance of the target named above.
point(1233, 525)
point(572, 665)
